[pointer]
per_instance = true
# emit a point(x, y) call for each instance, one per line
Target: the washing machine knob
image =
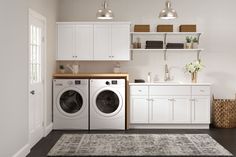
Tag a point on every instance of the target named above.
point(70, 83)
point(107, 83)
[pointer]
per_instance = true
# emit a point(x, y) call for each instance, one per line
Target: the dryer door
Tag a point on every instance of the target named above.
point(70, 102)
point(108, 102)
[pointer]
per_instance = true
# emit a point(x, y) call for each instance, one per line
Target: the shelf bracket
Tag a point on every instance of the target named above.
point(165, 55)
point(165, 38)
point(198, 37)
point(198, 55)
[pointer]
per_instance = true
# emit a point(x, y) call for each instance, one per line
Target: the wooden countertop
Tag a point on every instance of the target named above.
point(93, 75)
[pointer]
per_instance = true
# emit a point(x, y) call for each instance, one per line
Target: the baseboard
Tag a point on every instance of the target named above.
point(23, 152)
point(48, 129)
point(169, 126)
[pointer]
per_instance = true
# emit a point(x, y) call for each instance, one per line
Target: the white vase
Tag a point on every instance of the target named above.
point(188, 45)
point(195, 45)
point(62, 71)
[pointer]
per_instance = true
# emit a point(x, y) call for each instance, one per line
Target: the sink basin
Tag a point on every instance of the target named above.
point(167, 82)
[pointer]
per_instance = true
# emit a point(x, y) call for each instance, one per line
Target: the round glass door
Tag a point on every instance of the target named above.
point(107, 102)
point(71, 102)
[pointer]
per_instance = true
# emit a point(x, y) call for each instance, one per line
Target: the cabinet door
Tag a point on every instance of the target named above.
point(84, 42)
point(102, 42)
point(160, 110)
point(66, 42)
point(139, 109)
point(181, 109)
point(201, 109)
point(120, 42)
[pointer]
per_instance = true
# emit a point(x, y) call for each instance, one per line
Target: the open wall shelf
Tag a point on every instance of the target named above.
point(165, 36)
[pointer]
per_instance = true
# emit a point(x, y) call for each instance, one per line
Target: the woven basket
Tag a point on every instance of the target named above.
point(224, 113)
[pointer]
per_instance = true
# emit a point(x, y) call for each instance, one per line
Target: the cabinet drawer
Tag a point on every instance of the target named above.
point(138, 90)
point(201, 90)
point(170, 90)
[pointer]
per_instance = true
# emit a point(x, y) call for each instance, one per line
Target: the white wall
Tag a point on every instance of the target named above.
point(48, 8)
point(13, 77)
point(14, 69)
point(214, 18)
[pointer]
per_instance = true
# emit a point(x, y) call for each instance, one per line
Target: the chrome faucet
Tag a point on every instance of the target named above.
point(167, 73)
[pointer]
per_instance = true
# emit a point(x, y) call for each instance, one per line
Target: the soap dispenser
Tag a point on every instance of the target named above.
point(149, 77)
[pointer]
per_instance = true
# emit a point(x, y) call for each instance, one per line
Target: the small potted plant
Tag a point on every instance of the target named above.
point(195, 43)
point(193, 68)
point(62, 69)
point(188, 42)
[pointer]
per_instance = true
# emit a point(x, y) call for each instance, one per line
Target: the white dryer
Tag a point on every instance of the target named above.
point(70, 104)
point(107, 104)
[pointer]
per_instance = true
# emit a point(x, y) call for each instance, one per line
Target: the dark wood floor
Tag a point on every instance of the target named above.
point(226, 137)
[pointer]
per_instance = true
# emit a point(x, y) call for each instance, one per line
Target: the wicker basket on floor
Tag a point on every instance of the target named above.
point(224, 113)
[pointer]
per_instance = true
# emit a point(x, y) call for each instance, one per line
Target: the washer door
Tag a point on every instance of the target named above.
point(70, 102)
point(108, 102)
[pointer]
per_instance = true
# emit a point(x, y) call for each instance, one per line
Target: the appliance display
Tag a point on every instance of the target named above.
point(70, 104)
point(107, 104)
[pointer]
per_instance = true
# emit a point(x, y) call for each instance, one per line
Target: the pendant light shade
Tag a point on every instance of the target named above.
point(168, 13)
point(105, 13)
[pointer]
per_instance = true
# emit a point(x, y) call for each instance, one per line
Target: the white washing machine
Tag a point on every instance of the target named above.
point(107, 104)
point(70, 104)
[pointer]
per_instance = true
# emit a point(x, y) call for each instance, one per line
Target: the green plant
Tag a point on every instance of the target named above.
point(189, 39)
point(195, 40)
point(61, 67)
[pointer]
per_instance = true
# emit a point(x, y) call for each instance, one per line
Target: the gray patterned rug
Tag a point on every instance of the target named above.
point(137, 145)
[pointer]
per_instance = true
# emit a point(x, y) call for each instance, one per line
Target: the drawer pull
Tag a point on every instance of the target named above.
point(171, 99)
point(140, 90)
point(202, 90)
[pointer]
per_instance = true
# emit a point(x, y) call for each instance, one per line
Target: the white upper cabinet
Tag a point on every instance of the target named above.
point(102, 42)
point(66, 42)
point(94, 41)
point(84, 42)
point(120, 42)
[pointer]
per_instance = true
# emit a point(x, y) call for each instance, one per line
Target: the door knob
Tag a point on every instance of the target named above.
point(32, 92)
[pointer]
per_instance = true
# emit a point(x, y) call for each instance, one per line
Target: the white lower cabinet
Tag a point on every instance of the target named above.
point(151, 108)
point(181, 109)
point(139, 109)
point(160, 109)
point(201, 109)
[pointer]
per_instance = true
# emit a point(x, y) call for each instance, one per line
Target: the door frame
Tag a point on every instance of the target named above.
point(37, 15)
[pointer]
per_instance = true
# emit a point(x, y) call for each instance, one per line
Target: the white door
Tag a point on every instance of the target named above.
point(102, 42)
point(36, 73)
point(66, 42)
point(120, 42)
point(201, 109)
point(84, 42)
point(160, 109)
point(139, 110)
point(181, 109)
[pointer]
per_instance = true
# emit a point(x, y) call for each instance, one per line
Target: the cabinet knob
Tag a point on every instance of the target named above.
point(171, 99)
point(192, 99)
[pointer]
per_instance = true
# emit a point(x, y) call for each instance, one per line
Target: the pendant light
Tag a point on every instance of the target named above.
point(168, 13)
point(105, 13)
